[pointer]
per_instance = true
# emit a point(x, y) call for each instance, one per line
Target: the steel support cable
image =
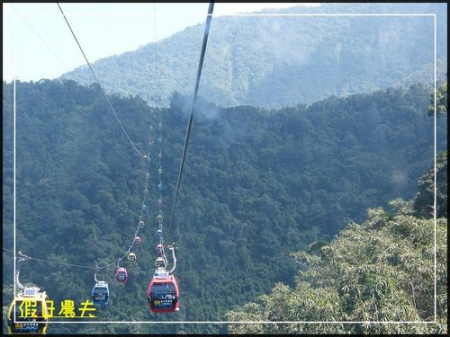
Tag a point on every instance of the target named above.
point(41, 39)
point(98, 82)
point(202, 55)
point(122, 127)
point(144, 206)
point(160, 217)
point(154, 41)
point(147, 169)
point(61, 263)
point(191, 115)
point(23, 257)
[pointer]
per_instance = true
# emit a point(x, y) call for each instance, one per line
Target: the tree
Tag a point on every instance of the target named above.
point(424, 200)
point(380, 271)
point(441, 101)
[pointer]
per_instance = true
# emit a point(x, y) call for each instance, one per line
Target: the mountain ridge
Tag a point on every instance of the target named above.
point(278, 61)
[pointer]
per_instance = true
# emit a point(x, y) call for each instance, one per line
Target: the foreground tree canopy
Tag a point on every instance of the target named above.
point(380, 271)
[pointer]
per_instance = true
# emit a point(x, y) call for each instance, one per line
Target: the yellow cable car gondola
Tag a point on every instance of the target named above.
point(28, 312)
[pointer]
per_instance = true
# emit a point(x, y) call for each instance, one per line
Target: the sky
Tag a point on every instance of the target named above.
point(38, 43)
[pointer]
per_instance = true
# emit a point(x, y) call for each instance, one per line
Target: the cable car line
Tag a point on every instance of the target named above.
point(54, 262)
point(100, 292)
point(191, 115)
point(37, 35)
point(37, 322)
point(98, 82)
point(121, 273)
point(101, 287)
point(163, 291)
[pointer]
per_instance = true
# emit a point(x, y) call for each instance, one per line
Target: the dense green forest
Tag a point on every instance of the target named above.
point(391, 268)
point(275, 61)
point(258, 185)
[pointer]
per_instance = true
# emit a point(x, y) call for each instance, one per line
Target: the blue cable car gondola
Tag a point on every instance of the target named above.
point(121, 275)
point(100, 293)
point(163, 293)
point(159, 233)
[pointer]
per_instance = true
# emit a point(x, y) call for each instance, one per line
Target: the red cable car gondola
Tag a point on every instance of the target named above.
point(137, 241)
point(121, 275)
point(163, 293)
point(159, 249)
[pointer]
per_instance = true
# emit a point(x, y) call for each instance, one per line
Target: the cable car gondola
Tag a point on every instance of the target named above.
point(28, 313)
point(100, 293)
point(159, 249)
point(121, 275)
point(163, 293)
point(132, 257)
point(160, 262)
point(137, 241)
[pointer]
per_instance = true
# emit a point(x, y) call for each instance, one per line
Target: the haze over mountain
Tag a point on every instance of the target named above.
point(274, 61)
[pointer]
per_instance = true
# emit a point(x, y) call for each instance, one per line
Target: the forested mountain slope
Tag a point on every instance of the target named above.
point(388, 275)
point(278, 61)
point(258, 184)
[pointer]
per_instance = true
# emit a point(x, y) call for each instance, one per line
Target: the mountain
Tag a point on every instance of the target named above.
point(272, 61)
point(257, 185)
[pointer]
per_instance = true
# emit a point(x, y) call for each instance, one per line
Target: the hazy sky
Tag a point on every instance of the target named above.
point(37, 42)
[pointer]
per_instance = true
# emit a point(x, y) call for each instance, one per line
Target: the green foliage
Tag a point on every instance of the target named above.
point(441, 101)
point(424, 200)
point(392, 268)
point(380, 271)
point(258, 184)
